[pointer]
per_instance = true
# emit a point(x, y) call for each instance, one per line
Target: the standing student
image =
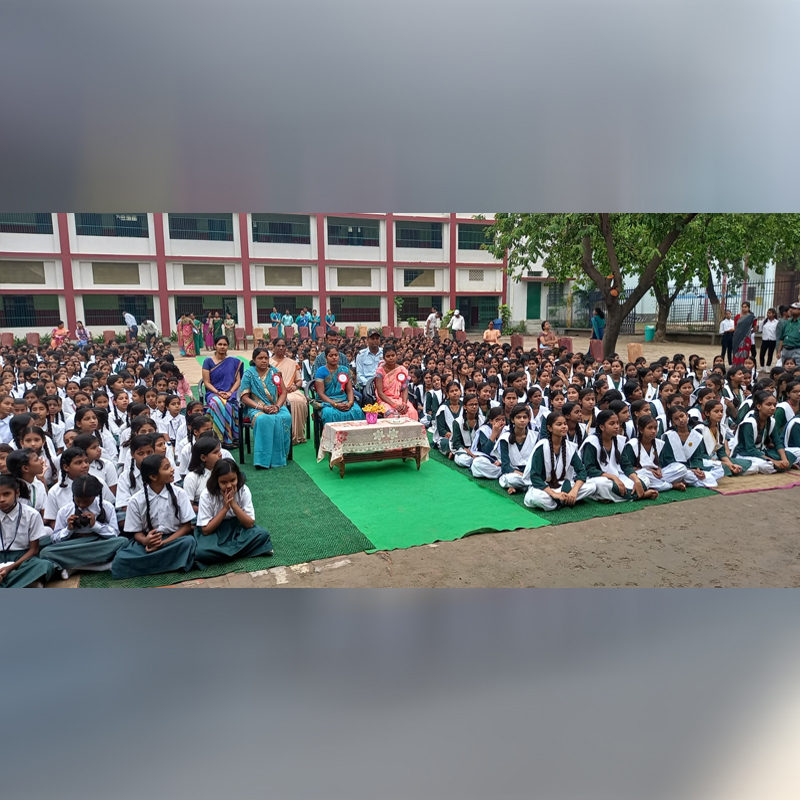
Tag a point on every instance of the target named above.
point(640, 458)
point(21, 528)
point(515, 447)
point(758, 439)
point(554, 472)
point(226, 524)
point(726, 327)
point(769, 331)
point(159, 525)
point(86, 533)
point(602, 455)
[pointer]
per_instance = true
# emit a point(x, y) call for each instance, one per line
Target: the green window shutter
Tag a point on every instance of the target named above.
point(534, 310)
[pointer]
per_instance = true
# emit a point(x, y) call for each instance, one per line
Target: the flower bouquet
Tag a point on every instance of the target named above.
point(372, 411)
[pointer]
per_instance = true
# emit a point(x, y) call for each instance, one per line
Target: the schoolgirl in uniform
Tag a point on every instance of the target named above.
point(616, 378)
point(54, 425)
point(640, 460)
point(588, 401)
point(162, 447)
point(601, 453)
point(510, 400)
point(789, 408)
point(576, 430)
point(28, 468)
point(677, 449)
point(486, 463)
point(514, 448)
point(118, 415)
point(658, 405)
point(159, 525)
point(791, 438)
point(432, 400)
point(758, 439)
point(86, 421)
point(465, 432)
point(173, 424)
point(104, 470)
point(445, 418)
point(649, 384)
point(86, 533)
point(196, 426)
point(538, 411)
point(21, 528)
point(139, 426)
point(129, 481)
point(206, 451)
point(627, 426)
point(555, 472)
point(34, 438)
point(709, 446)
point(226, 524)
point(485, 402)
point(733, 391)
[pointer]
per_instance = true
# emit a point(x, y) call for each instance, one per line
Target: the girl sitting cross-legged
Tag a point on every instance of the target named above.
point(555, 473)
point(679, 448)
point(486, 463)
point(465, 432)
point(515, 446)
point(758, 439)
point(640, 457)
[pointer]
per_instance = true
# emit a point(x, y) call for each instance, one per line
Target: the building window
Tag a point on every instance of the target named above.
point(107, 309)
point(26, 223)
point(128, 225)
point(356, 308)
point(353, 232)
point(203, 305)
point(353, 276)
point(419, 277)
point(419, 306)
point(110, 273)
point(471, 237)
point(281, 228)
point(283, 276)
point(29, 311)
point(203, 274)
point(476, 275)
point(211, 227)
point(22, 272)
point(295, 304)
point(419, 234)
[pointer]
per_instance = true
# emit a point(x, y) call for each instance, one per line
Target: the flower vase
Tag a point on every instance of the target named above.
point(372, 417)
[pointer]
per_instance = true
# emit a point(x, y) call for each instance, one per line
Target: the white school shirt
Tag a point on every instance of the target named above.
point(21, 526)
point(726, 326)
point(646, 460)
point(127, 458)
point(651, 393)
point(194, 485)
point(174, 427)
point(109, 446)
point(5, 430)
point(117, 429)
point(769, 330)
point(186, 457)
point(162, 512)
point(107, 473)
point(58, 433)
point(544, 445)
point(518, 456)
point(210, 506)
point(60, 496)
point(108, 529)
point(124, 488)
point(38, 496)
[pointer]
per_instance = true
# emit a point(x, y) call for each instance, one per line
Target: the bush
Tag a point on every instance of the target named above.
point(343, 332)
point(45, 338)
point(445, 323)
point(412, 322)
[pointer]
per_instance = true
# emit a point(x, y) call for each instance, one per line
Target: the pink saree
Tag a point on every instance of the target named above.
point(393, 390)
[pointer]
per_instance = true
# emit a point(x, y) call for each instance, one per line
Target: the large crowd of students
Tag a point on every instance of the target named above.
point(108, 462)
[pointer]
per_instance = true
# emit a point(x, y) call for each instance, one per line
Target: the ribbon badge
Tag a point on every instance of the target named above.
point(276, 379)
point(342, 379)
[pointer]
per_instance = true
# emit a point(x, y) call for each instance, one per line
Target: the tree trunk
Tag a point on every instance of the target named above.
point(664, 301)
point(714, 300)
point(613, 327)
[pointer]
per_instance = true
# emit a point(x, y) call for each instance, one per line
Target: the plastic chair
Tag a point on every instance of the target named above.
point(397, 332)
point(273, 333)
point(566, 341)
point(239, 338)
point(350, 331)
point(32, 339)
point(258, 335)
point(320, 334)
point(406, 333)
point(303, 332)
point(635, 350)
point(109, 336)
point(517, 341)
point(596, 349)
point(7, 340)
point(288, 332)
point(461, 336)
point(387, 331)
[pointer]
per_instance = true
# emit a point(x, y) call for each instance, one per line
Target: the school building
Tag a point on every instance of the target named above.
point(92, 267)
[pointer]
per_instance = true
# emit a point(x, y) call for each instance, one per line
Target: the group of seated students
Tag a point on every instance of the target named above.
point(108, 463)
point(562, 428)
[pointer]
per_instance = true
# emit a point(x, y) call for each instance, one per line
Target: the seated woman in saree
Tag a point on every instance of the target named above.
point(264, 394)
point(59, 335)
point(335, 390)
point(391, 385)
point(293, 384)
point(222, 376)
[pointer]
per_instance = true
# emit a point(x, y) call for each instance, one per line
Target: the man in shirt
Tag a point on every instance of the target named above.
point(789, 336)
point(367, 364)
point(150, 331)
point(133, 328)
point(457, 323)
point(431, 323)
point(331, 340)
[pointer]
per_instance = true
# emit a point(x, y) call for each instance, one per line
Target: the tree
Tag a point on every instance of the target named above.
point(658, 249)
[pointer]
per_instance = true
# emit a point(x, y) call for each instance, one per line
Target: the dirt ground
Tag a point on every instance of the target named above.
point(750, 540)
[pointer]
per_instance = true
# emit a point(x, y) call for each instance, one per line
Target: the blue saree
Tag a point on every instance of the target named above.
point(272, 433)
point(335, 391)
point(224, 413)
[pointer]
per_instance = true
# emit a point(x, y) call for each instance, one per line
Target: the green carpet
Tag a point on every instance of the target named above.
point(306, 526)
point(589, 509)
point(398, 507)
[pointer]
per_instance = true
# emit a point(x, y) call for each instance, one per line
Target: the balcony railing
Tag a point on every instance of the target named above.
point(26, 223)
point(126, 225)
point(218, 228)
point(419, 236)
point(349, 233)
point(281, 229)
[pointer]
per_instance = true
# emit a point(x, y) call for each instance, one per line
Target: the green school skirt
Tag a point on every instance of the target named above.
point(231, 540)
point(133, 560)
point(743, 463)
point(77, 553)
point(32, 570)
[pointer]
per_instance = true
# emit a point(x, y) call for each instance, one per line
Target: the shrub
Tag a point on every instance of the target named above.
point(412, 322)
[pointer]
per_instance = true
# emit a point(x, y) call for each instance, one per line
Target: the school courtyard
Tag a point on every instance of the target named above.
point(387, 525)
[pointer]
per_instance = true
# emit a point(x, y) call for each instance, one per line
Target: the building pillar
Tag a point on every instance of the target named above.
point(244, 244)
point(323, 297)
point(66, 269)
point(453, 253)
point(390, 270)
point(161, 267)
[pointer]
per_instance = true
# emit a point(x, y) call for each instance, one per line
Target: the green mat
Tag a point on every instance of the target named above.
point(397, 507)
point(306, 526)
point(588, 509)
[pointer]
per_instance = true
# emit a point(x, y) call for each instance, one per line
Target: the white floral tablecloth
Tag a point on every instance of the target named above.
point(358, 436)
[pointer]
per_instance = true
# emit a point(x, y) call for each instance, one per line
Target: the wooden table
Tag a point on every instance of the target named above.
point(358, 441)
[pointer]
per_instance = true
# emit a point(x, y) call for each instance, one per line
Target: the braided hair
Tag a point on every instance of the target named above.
point(641, 424)
point(758, 399)
point(602, 418)
point(567, 410)
point(671, 412)
point(518, 409)
point(140, 440)
point(17, 427)
point(150, 468)
point(14, 464)
point(90, 486)
point(45, 449)
point(204, 446)
point(554, 481)
point(85, 441)
point(118, 420)
point(81, 413)
point(67, 457)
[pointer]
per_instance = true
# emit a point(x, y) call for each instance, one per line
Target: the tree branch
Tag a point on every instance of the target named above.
point(591, 270)
point(648, 277)
point(613, 261)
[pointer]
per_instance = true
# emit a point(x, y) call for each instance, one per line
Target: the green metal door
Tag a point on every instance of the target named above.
point(534, 309)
